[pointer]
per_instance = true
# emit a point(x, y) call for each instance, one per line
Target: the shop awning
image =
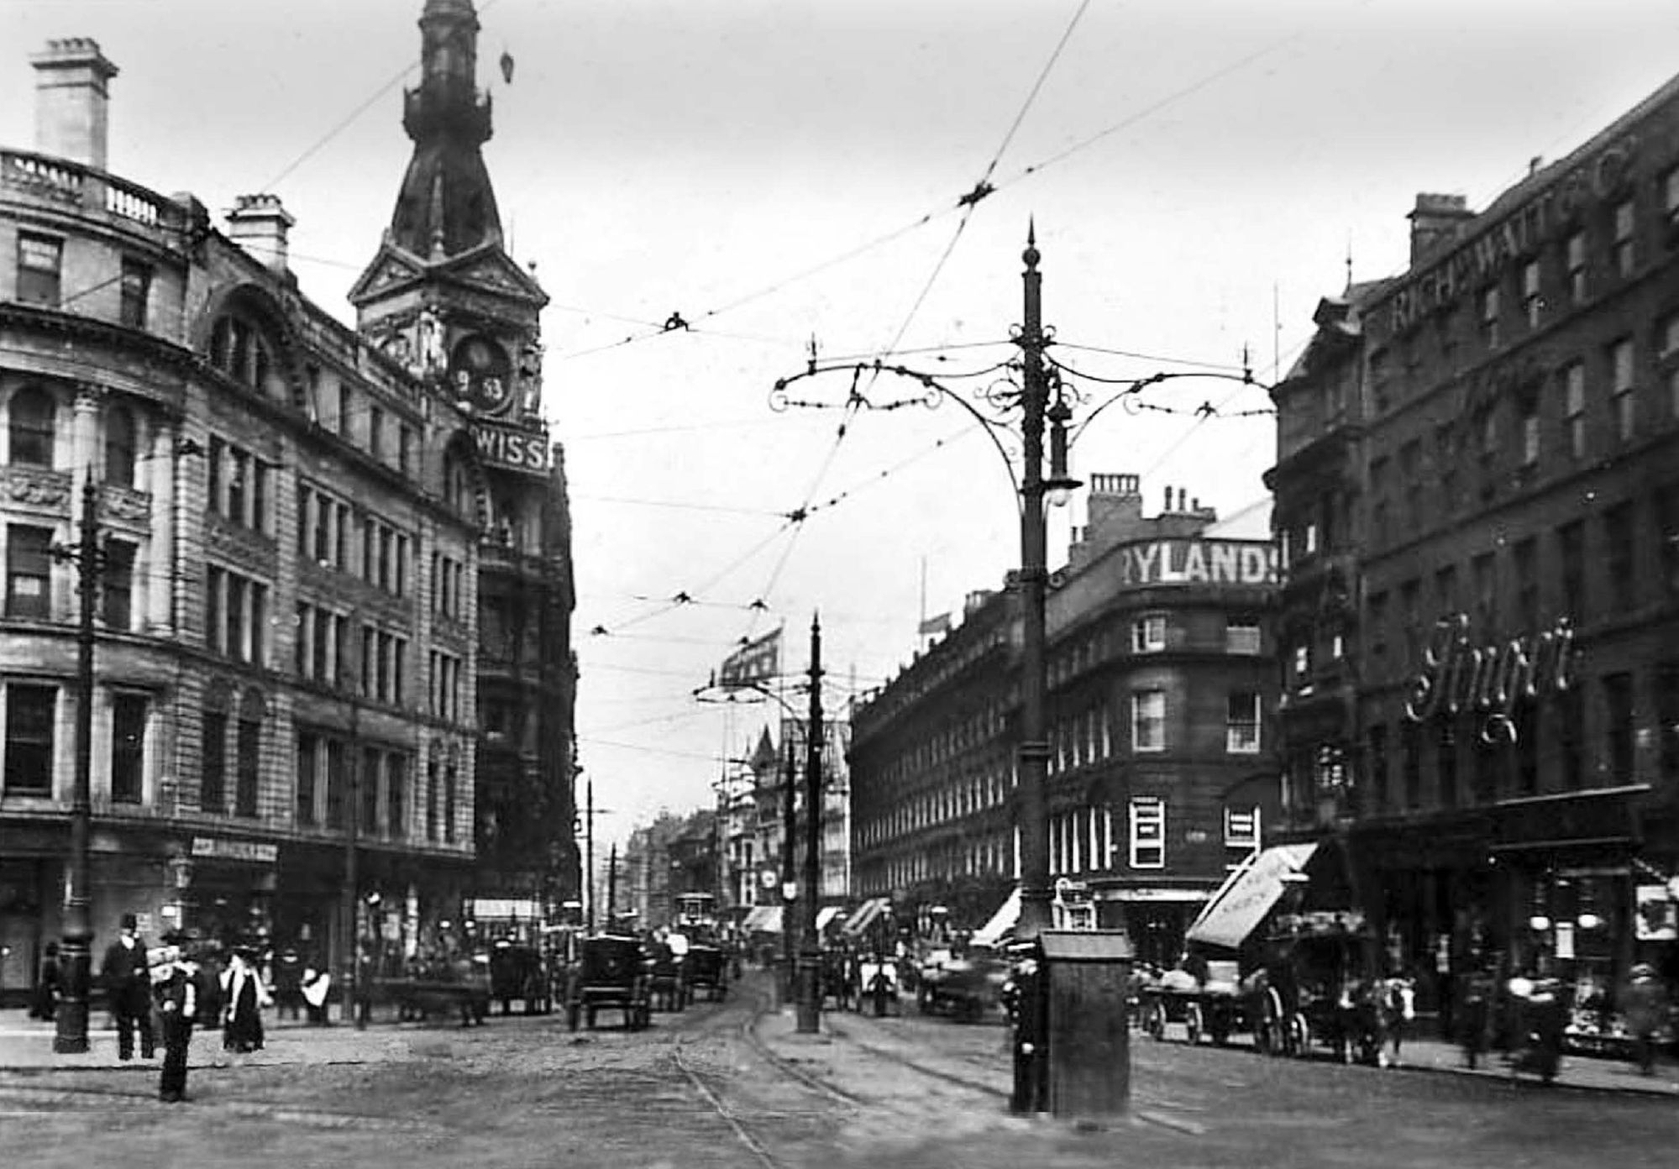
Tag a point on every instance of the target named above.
point(865, 914)
point(763, 919)
point(1248, 895)
point(826, 914)
point(1001, 922)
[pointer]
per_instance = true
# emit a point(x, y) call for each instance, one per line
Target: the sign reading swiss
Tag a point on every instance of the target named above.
point(510, 449)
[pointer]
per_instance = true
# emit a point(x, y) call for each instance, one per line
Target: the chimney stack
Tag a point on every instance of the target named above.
point(1436, 218)
point(259, 225)
point(72, 82)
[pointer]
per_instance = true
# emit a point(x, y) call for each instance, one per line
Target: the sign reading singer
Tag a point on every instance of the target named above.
point(1490, 680)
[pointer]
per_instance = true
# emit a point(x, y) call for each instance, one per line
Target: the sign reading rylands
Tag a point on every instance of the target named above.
point(1491, 680)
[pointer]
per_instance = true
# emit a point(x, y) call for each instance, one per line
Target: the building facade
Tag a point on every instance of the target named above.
point(1160, 689)
point(279, 681)
point(445, 300)
point(1478, 486)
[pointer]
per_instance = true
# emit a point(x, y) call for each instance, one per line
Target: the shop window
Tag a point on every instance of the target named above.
point(128, 744)
point(40, 263)
point(28, 572)
point(30, 714)
point(1148, 833)
point(31, 425)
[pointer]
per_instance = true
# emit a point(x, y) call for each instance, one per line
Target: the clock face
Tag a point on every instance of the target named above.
point(481, 375)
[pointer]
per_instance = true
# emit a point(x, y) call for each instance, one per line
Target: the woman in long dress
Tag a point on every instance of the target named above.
point(243, 998)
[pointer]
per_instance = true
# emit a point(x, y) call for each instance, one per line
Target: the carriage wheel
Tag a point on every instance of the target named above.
point(1194, 1023)
point(1299, 1035)
point(1154, 1020)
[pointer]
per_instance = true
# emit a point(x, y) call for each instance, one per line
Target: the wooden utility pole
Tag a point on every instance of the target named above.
point(810, 952)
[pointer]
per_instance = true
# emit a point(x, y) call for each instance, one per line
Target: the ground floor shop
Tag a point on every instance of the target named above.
point(1579, 885)
point(228, 889)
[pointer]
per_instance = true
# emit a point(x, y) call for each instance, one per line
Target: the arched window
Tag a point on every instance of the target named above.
point(119, 446)
point(31, 421)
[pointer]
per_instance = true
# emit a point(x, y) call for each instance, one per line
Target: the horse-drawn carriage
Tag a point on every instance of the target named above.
point(1319, 988)
point(706, 968)
point(439, 987)
point(523, 972)
point(1208, 1000)
point(966, 986)
point(611, 973)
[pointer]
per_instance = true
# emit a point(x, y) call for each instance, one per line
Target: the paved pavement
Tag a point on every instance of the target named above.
point(27, 1044)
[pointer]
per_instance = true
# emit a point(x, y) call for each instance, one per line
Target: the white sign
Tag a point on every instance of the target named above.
point(220, 848)
point(1248, 896)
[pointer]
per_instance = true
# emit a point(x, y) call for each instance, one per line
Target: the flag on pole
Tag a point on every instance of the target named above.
point(933, 626)
point(752, 664)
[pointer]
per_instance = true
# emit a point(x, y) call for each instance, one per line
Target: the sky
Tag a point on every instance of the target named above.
point(1198, 173)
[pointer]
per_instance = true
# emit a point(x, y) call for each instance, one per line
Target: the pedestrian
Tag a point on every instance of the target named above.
point(127, 990)
point(1475, 1014)
point(243, 998)
point(44, 1003)
point(175, 991)
point(1644, 1006)
point(317, 982)
point(288, 984)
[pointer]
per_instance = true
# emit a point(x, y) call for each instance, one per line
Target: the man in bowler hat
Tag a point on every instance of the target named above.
point(128, 989)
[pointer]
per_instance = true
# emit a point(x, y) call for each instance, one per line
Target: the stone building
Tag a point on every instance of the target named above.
point(286, 523)
point(1477, 482)
point(444, 299)
point(1160, 690)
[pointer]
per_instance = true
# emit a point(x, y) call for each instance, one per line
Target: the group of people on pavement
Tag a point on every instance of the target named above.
point(164, 992)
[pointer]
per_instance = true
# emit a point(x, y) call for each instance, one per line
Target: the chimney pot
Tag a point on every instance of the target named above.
point(258, 223)
point(72, 99)
point(1435, 218)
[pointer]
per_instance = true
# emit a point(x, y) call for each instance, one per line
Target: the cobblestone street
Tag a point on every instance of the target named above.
point(695, 1090)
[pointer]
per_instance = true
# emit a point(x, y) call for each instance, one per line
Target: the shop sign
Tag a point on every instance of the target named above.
point(1490, 680)
point(1512, 238)
point(219, 848)
point(510, 449)
point(1227, 562)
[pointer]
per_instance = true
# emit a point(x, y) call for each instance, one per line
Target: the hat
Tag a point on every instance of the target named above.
point(130, 922)
point(1642, 970)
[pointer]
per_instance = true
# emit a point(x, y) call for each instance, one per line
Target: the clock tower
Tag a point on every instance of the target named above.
point(443, 298)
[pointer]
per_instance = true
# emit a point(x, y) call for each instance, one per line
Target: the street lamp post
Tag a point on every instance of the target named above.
point(76, 951)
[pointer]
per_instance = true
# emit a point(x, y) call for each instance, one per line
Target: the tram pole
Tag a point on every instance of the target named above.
point(810, 953)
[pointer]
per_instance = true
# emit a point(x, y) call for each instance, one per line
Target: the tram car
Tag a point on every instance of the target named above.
point(612, 973)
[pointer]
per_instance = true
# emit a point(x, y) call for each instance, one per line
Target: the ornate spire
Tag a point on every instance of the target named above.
point(447, 205)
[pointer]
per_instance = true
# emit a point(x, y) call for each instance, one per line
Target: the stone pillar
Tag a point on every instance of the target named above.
point(159, 478)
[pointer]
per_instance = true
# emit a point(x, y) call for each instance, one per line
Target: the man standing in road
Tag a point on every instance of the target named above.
point(128, 987)
point(176, 992)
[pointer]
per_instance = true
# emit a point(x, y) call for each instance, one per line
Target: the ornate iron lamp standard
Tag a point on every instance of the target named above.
point(1044, 400)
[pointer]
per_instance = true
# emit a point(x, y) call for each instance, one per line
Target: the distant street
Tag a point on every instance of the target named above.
point(693, 1091)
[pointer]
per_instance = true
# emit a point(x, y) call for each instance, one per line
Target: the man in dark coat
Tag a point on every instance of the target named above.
point(128, 990)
